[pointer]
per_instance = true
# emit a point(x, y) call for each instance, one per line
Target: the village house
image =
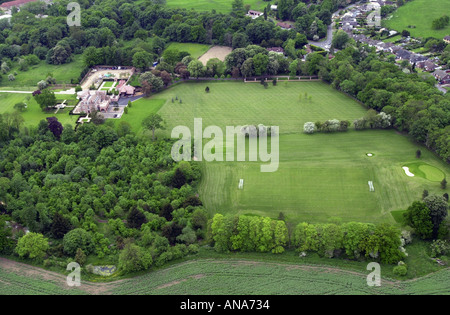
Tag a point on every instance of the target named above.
point(284, 26)
point(442, 76)
point(254, 14)
point(426, 65)
point(7, 6)
point(94, 101)
point(277, 50)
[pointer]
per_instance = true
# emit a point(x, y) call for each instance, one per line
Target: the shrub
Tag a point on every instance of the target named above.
point(439, 248)
point(75, 239)
point(400, 270)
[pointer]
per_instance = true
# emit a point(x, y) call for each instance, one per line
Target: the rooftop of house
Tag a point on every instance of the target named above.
point(15, 3)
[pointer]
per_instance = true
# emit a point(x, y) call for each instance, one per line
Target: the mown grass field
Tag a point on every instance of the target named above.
point(237, 103)
point(323, 176)
point(139, 110)
point(420, 13)
point(34, 114)
point(319, 176)
point(195, 50)
point(221, 6)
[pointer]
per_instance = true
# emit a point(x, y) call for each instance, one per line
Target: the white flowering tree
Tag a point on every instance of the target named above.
point(309, 127)
point(385, 120)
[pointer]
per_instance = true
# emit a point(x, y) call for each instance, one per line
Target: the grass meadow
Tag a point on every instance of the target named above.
point(27, 80)
point(420, 13)
point(195, 50)
point(221, 6)
point(320, 176)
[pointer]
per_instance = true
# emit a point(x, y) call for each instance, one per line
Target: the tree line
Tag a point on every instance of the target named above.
point(354, 240)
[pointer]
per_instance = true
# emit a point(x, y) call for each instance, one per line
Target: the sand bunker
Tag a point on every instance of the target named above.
point(219, 52)
point(369, 154)
point(407, 172)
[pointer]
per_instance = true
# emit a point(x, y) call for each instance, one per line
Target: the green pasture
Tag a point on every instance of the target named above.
point(221, 6)
point(420, 14)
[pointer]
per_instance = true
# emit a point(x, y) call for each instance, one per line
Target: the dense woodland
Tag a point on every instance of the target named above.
point(94, 190)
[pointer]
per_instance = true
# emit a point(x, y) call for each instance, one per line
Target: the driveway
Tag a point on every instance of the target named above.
point(440, 88)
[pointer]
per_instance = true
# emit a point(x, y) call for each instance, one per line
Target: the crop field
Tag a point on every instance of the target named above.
point(420, 14)
point(34, 113)
point(20, 279)
point(217, 277)
point(236, 277)
point(221, 6)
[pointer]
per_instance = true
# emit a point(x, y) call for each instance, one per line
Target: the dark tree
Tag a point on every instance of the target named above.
point(418, 217)
point(171, 232)
point(193, 201)
point(418, 154)
point(60, 226)
point(179, 179)
point(166, 212)
point(438, 211)
point(444, 184)
point(445, 196)
point(55, 127)
point(207, 89)
point(146, 88)
point(425, 194)
point(97, 118)
point(135, 219)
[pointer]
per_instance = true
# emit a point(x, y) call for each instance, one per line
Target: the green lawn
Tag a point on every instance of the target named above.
point(221, 6)
point(322, 176)
point(27, 80)
point(237, 103)
point(34, 114)
point(108, 84)
point(319, 176)
point(392, 39)
point(421, 14)
point(195, 50)
point(139, 110)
